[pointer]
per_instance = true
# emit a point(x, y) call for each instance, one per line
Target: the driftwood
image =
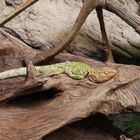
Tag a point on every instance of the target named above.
point(60, 100)
point(32, 108)
point(114, 6)
point(89, 5)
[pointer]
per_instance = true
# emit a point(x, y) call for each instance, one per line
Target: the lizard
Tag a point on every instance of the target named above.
point(75, 70)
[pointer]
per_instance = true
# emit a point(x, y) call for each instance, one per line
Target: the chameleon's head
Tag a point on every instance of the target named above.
point(100, 75)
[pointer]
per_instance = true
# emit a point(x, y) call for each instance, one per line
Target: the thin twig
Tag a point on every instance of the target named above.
point(20, 9)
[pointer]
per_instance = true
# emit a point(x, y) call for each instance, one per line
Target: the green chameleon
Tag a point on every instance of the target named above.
point(75, 70)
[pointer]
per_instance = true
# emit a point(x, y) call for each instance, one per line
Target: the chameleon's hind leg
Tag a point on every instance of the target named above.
point(105, 42)
point(76, 76)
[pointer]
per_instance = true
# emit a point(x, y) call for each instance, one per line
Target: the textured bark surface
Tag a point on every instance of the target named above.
point(43, 25)
point(87, 129)
point(63, 99)
point(45, 106)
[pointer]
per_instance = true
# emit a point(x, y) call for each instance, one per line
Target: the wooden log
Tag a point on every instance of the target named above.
point(62, 100)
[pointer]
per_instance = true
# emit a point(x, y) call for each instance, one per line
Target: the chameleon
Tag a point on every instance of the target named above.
point(75, 70)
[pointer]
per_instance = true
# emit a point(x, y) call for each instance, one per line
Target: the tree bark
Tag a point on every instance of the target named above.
point(121, 39)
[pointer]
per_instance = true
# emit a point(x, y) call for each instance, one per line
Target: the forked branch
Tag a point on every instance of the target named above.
point(89, 5)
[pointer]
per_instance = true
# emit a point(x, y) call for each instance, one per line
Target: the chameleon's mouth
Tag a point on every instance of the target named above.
point(110, 74)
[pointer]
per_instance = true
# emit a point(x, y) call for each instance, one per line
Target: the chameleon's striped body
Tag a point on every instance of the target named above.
point(76, 70)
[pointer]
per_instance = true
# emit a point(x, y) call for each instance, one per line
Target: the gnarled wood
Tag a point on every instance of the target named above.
point(89, 5)
point(61, 100)
point(73, 101)
point(65, 100)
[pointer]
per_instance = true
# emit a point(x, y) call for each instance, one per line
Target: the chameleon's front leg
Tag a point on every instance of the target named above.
point(105, 42)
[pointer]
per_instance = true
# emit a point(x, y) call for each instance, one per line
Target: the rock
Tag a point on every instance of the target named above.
point(44, 24)
point(9, 2)
point(12, 2)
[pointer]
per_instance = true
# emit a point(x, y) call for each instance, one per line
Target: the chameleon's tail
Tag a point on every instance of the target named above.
point(47, 70)
point(13, 73)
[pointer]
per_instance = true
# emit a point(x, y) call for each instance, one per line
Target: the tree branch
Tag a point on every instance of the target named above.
point(20, 9)
point(127, 15)
point(114, 6)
